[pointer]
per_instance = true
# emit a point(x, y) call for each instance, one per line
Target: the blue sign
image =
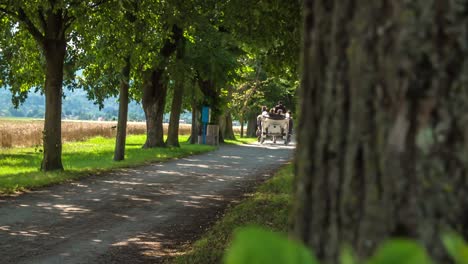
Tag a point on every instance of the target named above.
point(205, 116)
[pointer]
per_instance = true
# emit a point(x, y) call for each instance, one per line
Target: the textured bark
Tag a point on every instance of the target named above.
point(226, 126)
point(196, 126)
point(176, 108)
point(119, 152)
point(54, 47)
point(383, 126)
point(251, 126)
point(154, 101)
point(155, 91)
point(242, 126)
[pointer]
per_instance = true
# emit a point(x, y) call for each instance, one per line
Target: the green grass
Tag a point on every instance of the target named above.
point(268, 207)
point(19, 167)
point(240, 140)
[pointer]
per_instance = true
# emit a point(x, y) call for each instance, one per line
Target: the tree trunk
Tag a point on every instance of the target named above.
point(382, 126)
point(242, 126)
point(251, 126)
point(226, 126)
point(155, 90)
point(54, 54)
point(176, 107)
point(195, 131)
point(154, 99)
point(119, 153)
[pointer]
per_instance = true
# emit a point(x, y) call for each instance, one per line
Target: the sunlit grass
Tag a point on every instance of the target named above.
point(268, 207)
point(19, 167)
point(239, 140)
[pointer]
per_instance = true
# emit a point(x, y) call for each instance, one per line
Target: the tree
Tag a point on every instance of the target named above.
point(177, 97)
point(155, 90)
point(113, 42)
point(49, 24)
point(382, 128)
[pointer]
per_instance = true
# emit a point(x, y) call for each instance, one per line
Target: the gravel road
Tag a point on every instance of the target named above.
point(137, 215)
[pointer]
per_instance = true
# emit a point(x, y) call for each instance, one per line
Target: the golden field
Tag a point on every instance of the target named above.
point(28, 133)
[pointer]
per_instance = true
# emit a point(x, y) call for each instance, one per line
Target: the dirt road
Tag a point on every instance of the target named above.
point(138, 215)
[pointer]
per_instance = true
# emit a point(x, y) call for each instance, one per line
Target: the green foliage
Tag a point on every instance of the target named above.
point(456, 247)
point(18, 167)
point(267, 247)
point(400, 251)
point(254, 245)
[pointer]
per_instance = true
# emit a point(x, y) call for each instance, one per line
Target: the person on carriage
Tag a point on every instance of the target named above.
point(279, 107)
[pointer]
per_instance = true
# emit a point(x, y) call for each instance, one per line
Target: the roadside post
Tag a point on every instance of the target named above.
point(205, 120)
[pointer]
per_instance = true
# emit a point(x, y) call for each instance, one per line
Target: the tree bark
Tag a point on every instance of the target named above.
point(242, 126)
point(54, 47)
point(155, 90)
point(195, 131)
point(382, 126)
point(176, 107)
point(119, 152)
point(251, 126)
point(154, 99)
point(226, 126)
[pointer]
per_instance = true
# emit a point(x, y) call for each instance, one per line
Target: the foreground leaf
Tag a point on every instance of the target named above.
point(257, 246)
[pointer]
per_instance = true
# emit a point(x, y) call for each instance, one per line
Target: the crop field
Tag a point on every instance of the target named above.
point(28, 132)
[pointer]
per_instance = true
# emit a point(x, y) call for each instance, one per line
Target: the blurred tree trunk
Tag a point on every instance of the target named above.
point(383, 124)
point(225, 125)
point(176, 107)
point(251, 125)
point(242, 125)
point(119, 152)
point(196, 126)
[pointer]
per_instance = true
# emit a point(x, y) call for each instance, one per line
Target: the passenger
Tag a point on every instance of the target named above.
point(264, 111)
point(280, 106)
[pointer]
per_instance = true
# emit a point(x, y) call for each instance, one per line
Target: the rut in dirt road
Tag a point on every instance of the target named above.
point(131, 215)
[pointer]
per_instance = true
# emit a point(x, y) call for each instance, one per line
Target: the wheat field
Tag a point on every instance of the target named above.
point(28, 133)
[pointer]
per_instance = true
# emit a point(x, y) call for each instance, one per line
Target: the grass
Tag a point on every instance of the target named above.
point(268, 207)
point(240, 140)
point(19, 167)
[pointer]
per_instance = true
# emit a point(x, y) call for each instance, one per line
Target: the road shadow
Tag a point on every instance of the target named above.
point(135, 215)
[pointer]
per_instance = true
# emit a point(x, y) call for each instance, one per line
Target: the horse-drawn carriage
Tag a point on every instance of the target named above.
point(274, 127)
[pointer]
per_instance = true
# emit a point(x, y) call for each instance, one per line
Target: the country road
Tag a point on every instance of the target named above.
point(136, 215)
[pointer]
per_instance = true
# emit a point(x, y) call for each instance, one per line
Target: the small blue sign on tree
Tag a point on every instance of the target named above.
point(205, 114)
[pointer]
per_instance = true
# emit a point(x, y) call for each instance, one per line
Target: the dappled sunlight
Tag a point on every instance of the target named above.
point(29, 232)
point(141, 210)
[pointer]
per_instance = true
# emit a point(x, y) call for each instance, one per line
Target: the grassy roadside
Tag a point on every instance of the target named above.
point(268, 207)
point(19, 167)
point(240, 140)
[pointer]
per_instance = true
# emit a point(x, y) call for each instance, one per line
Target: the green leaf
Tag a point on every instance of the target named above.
point(400, 251)
point(456, 247)
point(257, 246)
point(347, 257)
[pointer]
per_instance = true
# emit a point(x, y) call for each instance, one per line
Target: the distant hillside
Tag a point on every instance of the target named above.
point(75, 106)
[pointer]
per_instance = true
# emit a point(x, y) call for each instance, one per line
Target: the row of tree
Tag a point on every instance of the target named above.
point(225, 55)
